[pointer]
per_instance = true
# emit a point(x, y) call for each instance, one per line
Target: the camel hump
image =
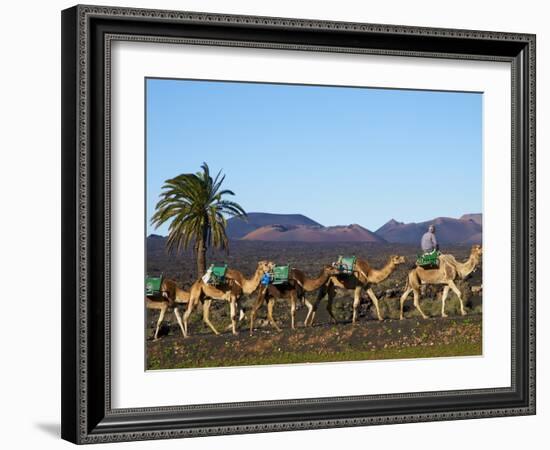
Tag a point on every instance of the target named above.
point(232, 273)
point(447, 257)
point(235, 276)
point(298, 275)
point(167, 283)
point(168, 286)
point(450, 271)
point(363, 265)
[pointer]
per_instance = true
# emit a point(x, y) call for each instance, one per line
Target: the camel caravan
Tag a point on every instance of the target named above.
point(270, 282)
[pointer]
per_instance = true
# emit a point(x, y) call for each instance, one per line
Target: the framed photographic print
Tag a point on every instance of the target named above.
point(289, 215)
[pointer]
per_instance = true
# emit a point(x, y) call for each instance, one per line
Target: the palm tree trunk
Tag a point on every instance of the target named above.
point(201, 258)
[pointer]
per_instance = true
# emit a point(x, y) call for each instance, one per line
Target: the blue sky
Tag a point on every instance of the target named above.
point(337, 155)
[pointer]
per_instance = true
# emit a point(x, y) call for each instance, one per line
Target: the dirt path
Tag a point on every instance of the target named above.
point(367, 340)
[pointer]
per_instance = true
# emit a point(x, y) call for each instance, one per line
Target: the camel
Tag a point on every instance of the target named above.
point(231, 291)
point(449, 269)
point(296, 287)
point(364, 277)
point(170, 298)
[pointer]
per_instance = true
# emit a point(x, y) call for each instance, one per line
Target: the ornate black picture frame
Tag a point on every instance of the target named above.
point(87, 33)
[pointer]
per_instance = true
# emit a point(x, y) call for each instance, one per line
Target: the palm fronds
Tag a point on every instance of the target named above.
point(196, 208)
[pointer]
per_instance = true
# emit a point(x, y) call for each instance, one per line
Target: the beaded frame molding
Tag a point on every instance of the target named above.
point(87, 34)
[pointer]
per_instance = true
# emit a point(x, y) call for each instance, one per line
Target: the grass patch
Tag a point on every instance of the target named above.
point(285, 357)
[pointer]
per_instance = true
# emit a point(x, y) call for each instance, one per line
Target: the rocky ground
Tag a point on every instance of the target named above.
point(368, 339)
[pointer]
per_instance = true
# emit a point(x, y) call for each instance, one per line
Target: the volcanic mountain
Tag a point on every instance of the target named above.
point(238, 228)
point(475, 217)
point(306, 233)
point(299, 228)
point(466, 230)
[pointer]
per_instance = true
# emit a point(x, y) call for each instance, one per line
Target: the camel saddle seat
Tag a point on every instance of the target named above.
point(428, 260)
point(153, 286)
point(216, 274)
point(280, 275)
point(345, 264)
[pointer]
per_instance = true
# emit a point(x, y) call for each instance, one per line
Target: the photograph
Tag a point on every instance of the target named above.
point(294, 223)
point(332, 215)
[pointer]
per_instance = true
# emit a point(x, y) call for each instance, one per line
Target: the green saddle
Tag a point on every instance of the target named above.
point(428, 260)
point(346, 264)
point(280, 274)
point(217, 274)
point(153, 285)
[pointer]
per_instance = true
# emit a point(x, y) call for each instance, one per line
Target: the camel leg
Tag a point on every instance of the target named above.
point(331, 293)
point(259, 301)
point(330, 296)
point(356, 303)
point(312, 309)
point(417, 303)
point(375, 301)
point(312, 318)
point(186, 315)
point(178, 318)
point(455, 289)
point(402, 301)
point(253, 316)
point(330, 300)
point(309, 311)
point(312, 315)
point(206, 316)
point(242, 316)
point(163, 309)
point(292, 310)
point(233, 313)
point(270, 305)
point(443, 299)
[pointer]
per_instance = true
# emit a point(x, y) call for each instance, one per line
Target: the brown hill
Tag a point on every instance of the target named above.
point(304, 233)
point(448, 231)
point(238, 228)
point(477, 218)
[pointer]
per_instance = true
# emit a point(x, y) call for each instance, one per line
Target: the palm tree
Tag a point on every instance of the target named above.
point(194, 204)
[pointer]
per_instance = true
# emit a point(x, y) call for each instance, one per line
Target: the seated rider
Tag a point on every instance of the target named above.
point(429, 241)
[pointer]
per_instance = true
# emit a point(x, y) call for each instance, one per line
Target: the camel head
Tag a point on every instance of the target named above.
point(265, 266)
point(330, 271)
point(477, 250)
point(475, 254)
point(396, 260)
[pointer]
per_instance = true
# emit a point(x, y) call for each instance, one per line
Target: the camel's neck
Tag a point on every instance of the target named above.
point(378, 275)
point(312, 284)
point(249, 285)
point(466, 268)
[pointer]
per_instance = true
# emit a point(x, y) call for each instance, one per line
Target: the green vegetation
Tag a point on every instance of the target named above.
point(282, 357)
